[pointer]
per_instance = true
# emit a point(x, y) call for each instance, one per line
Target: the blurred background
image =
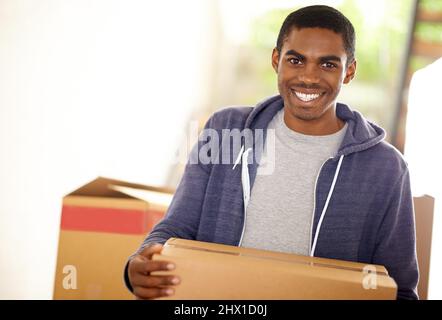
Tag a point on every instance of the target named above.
point(109, 87)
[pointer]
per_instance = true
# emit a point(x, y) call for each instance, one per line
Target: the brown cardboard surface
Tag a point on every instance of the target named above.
point(113, 192)
point(105, 202)
point(424, 208)
point(99, 188)
point(99, 260)
point(100, 228)
point(180, 243)
point(213, 271)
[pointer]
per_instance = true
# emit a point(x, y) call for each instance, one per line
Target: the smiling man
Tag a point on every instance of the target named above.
point(337, 189)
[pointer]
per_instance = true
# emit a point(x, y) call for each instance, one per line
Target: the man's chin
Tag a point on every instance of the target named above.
point(306, 117)
point(304, 113)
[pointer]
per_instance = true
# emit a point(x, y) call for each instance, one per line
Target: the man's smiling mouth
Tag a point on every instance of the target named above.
point(307, 97)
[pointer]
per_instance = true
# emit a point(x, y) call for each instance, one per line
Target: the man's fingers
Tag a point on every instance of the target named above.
point(155, 281)
point(151, 293)
point(151, 249)
point(157, 265)
point(141, 265)
point(146, 286)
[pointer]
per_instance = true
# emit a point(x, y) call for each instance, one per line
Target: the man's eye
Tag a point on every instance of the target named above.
point(294, 60)
point(329, 65)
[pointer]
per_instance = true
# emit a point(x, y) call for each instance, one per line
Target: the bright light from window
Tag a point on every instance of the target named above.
point(88, 88)
point(237, 15)
point(422, 151)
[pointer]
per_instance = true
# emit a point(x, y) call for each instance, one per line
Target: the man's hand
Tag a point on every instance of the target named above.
point(146, 286)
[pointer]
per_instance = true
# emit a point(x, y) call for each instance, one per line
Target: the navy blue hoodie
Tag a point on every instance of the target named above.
point(368, 217)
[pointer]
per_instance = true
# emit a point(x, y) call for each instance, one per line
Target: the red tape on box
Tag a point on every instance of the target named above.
point(123, 221)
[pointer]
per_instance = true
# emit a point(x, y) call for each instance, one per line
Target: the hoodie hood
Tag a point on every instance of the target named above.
point(361, 134)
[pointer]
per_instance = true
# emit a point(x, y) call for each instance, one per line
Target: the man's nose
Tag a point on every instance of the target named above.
point(310, 74)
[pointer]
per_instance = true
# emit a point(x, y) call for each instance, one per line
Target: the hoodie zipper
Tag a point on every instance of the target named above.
point(314, 205)
point(327, 202)
point(314, 201)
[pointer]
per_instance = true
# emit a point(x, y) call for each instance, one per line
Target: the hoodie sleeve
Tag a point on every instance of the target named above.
point(183, 215)
point(396, 240)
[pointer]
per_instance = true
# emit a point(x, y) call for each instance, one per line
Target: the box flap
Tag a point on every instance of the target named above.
point(105, 187)
point(150, 196)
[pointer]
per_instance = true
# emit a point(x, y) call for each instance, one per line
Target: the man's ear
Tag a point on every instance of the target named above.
point(275, 59)
point(350, 72)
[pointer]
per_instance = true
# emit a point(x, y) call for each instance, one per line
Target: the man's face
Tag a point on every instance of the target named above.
point(311, 68)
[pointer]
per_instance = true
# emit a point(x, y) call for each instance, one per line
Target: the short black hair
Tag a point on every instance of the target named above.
point(320, 16)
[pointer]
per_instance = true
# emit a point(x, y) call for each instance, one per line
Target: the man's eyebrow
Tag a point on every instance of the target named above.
point(330, 58)
point(294, 53)
point(322, 59)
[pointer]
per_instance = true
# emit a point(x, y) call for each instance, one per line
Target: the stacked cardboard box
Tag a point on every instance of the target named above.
point(102, 224)
point(424, 211)
point(214, 271)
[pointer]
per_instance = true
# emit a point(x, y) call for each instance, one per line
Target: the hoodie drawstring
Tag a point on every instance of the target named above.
point(245, 180)
point(330, 192)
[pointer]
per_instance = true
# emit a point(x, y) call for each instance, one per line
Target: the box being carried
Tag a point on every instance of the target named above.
point(215, 271)
point(102, 224)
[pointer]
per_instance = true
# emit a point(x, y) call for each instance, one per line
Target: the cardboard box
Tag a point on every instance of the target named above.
point(214, 271)
point(102, 224)
point(424, 211)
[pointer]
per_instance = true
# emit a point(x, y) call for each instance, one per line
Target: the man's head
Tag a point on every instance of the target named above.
point(320, 16)
point(314, 56)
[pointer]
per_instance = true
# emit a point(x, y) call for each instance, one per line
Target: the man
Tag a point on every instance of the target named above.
point(337, 189)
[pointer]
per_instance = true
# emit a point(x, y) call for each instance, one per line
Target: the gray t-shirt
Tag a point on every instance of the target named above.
point(280, 211)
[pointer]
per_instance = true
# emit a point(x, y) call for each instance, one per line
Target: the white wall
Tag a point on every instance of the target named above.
point(87, 88)
point(423, 153)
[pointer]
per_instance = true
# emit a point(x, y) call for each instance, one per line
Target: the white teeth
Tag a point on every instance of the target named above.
point(307, 97)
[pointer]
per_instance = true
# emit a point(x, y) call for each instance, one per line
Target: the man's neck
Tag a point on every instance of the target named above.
point(326, 125)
